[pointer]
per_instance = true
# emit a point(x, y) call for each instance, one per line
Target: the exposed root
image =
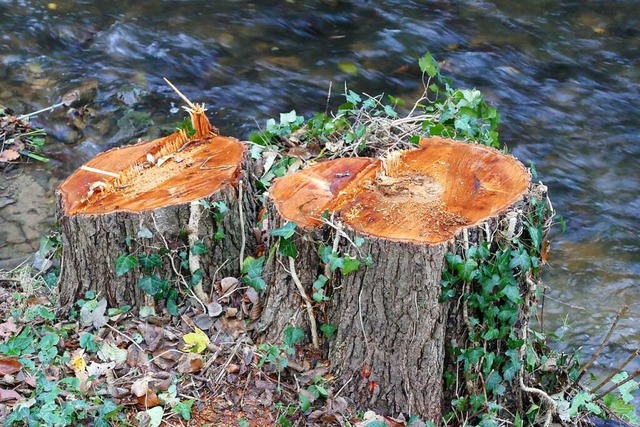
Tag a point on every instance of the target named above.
point(307, 303)
point(194, 259)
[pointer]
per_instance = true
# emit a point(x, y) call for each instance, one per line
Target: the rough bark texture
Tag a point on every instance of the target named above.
point(92, 243)
point(389, 348)
point(389, 352)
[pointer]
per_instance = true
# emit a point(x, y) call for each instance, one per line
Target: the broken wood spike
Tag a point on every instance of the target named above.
point(151, 174)
point(425, 195)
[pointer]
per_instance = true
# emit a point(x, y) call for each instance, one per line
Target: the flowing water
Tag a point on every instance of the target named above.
point(565, 76)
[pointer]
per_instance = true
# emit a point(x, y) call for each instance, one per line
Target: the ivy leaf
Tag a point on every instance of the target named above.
point(149, 262)
point(286, 231)
point(196, 277)
point(493, 383)
point(287, 248)
point(252, 272)
point(429, 65)
point(93, 313)
point(293, 334)
point(144, 233)
point(304, 402)
point(512, 292)
point(520, 258)
point(329, 330)
point(289, 117)
point(152, 285)
point(349, 265)
point(536, 236)
point(184, 408)
point(453, 261)
point(124, 263)
point(320, 282)
point(468, 270)
point(88, 342)
point(154, 415)
point(198, 248)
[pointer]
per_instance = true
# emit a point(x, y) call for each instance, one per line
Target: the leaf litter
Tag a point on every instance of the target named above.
point(152, 366)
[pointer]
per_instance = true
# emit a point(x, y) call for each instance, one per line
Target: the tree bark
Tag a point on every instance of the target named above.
point(149, 205)
point(412, 209)
point(388, 351)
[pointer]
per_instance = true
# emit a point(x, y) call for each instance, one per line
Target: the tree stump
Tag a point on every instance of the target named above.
point(404, 214)
point(137, 220)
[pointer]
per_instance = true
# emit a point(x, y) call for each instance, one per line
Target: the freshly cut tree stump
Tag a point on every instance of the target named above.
point(411, 209)
point(156, 199)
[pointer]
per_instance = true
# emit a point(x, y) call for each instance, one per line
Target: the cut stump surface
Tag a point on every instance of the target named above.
point(411, 208)
point(142, 200)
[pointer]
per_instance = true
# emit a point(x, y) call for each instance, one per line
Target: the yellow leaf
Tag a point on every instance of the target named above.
point(196, 342)
point(77, 362)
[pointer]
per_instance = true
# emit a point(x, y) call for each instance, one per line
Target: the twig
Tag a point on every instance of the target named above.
point(173, 265)
point(575, 307)
point(124, 335)
point(587, 365)
point(613, 387)
point(336, 244)
point(326, 108)
point(100, 171)
point(180, 94)
point(307, 303)
point(364, 333)
point(243, 241)
point(541, 393)
point(616, 372)
point(194, 259)
point(44, 110)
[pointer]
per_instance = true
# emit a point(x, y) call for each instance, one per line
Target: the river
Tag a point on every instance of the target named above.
point(565, 76)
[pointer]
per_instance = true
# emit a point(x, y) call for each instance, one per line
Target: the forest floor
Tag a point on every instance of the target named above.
point(96, 365)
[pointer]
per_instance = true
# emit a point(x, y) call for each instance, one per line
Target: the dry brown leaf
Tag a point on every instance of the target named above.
point(9, 365)
point(9, 155)
point(256, 311)
point(251, 295)
point(140, 387)
point(227, 286)
point(149, 399)
point(232, 368)
point(6, 395)
point(190, 362)
point(7, 329)
point(214, 309)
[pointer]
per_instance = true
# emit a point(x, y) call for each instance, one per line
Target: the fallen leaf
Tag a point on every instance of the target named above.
point(110, 353)
point(190, 362)
point(9, 155)
point(77, 362)
point(140, 387)
point(232, 368)
point(196, 342)
point(7, 329)
point(93, 313)
point(149, 399)
point(227, 286)
point(214, 309)
point(6, 395)
point(151, 417)
point(9, 365)
point(251, 295)
point(98, 369)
